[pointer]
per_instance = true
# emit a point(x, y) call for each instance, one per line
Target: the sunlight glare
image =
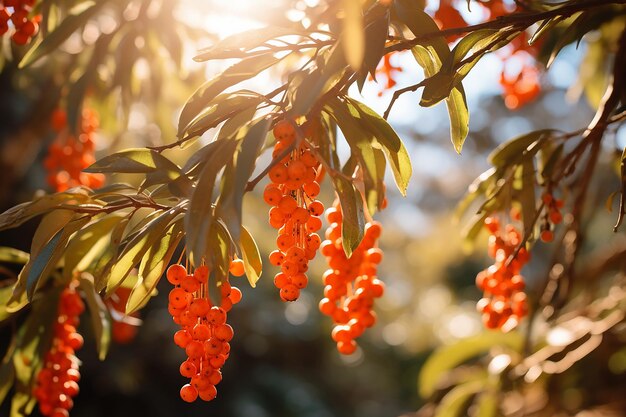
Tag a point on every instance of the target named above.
point(223, 18)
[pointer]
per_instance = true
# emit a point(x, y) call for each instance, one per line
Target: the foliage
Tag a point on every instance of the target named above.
point(125, 236)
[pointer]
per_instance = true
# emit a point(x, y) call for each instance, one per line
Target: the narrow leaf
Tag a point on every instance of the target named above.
point(251, 257)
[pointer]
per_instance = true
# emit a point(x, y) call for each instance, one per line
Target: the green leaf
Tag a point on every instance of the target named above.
point(251, 256)
point(375, 36)
point(449, 357)
point(99, 315)
point(514, 149)
point(136, 161)
point(204, 96)
point(459, 117)
point(391, 143)
point(305, 90)
point(352, 35)
point(353, 223)
point(220, 244)
point(12, 255)
point(5, 295)
point(358, 136)
point(456, 402)
point(50, 226)
point(77, 18)
point(7, 371)
point(527, 196)
point(32, 342)
point(88, 244)
point(222, 107)
point(478, 187)
point(231, 199)
point(235, 46)
point(152, 267)
point(135, 249)
point(21, 213)
point(199, 216)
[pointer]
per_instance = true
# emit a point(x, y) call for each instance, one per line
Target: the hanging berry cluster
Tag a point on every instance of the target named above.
point(350, 284)
point(68, 155)
point(204, 333)
point(57, 382)
point(18, 13)
point(552, 216)
point(504, 302)
point(295, 211)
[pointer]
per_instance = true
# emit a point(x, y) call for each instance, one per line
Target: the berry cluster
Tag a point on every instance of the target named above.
point(350, 284)
point(520, 69)
point(552, 217)
point(295, 211)
point(123, 328)
point(204, 333)
point(504, 302)
point(68, 155)
point(18, 11)
point(57, 382)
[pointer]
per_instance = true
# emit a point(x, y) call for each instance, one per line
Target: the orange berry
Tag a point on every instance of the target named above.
point(289, 293)
point(347, 347)
point(278, 174)
point(235, 295)
point(237, 267)
point(201, 274)
point(188, 393)
point(272, 194)
point(284, 131)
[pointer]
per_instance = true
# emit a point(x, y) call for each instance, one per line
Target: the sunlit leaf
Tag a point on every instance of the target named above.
point(448, 357)
point(353, 223)
point(152, 267)
point(514, 149)
point(234, 46)
point(21, 213)
point(222, 107)
point(251, 257)
point(98, 314)
point(307, 89)
point(231, 200)
point(136, 161)
point(134, 250)
point(88, 244)
point(7, 371)
point(203, 96)
point(199, 216)
point(352, 35)
point(77, 17)
point(456, 402)
point(391, 143)
point(527, 196)
point(12, 255)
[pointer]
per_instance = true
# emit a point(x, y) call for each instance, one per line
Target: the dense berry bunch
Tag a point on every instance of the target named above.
point(57, 382)
point(295, 211)
point(123, 328)
point(204, 334)
point(17, 12)
point(552, 216)
point(504, 302)
point(350, 284)
point(68, 155)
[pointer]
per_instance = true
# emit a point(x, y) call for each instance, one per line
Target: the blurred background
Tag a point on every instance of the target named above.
point(283, 361)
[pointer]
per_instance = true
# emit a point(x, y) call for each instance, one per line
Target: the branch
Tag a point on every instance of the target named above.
point(524, 19)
